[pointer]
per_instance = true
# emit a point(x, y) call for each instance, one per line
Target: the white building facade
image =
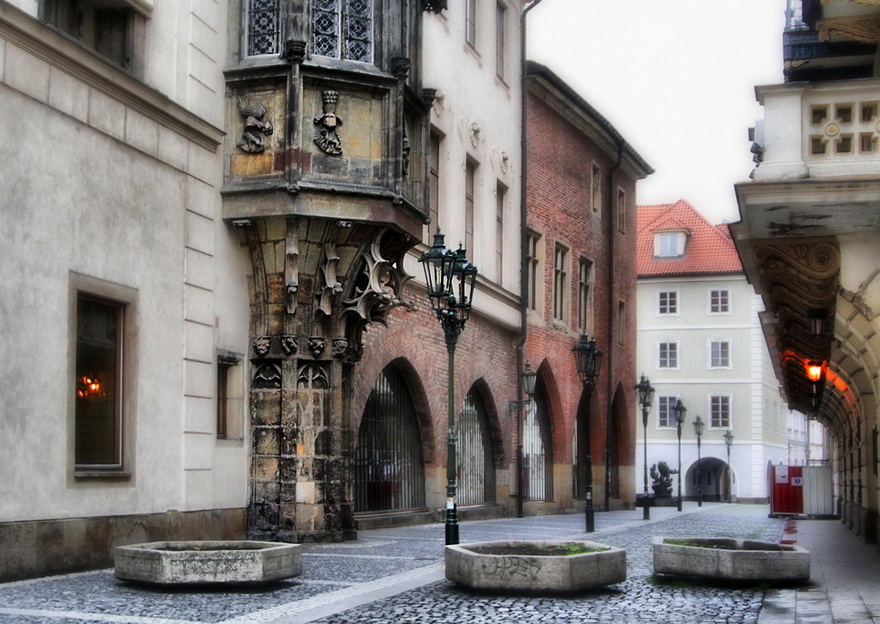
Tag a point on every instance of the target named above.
point(700, 342)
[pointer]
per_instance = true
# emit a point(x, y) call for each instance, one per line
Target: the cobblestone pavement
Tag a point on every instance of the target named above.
point(395, 576)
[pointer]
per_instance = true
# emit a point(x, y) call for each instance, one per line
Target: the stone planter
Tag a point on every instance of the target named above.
point(518, 567)
point(212, 562)
point(730, 559)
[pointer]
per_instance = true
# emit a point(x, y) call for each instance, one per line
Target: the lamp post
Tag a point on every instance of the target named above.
point(699, 426)
point(588, 358)
point(680, 412)
point(450, 279)
point(527, 387)
point(728, 440)
point(646, 398)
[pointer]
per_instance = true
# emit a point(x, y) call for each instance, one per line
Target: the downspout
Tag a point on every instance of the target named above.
point(523, 253)
point(613, 215)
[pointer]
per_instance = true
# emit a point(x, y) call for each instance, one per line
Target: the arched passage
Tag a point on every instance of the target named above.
point(712, 477)
point(389, 465)
point(475, 452)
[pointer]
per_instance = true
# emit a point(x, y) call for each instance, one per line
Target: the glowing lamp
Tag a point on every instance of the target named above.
point(814, 371)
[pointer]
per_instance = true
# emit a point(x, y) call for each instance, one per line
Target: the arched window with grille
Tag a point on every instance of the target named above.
point(537, 456)
point(476, 466)
point(389, 467)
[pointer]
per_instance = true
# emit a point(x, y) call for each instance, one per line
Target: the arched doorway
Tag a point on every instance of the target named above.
point(476, 465)
point(713, 478)
point(537, 455)
point(388, 466)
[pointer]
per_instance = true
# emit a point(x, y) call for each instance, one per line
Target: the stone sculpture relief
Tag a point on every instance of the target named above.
point(327, 124)
point(255, 128)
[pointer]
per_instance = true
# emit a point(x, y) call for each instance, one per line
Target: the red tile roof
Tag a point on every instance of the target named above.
point(709, 249)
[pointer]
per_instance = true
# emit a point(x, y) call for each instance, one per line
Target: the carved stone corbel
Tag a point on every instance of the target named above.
point(316, 345)
point(331, 285)
point(377, 287)
point(262, 345)
point(289, 344)
point(294, 51)
point(339, 348)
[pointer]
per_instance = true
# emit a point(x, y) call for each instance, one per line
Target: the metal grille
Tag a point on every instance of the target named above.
point(476, 468)
point(263, 29)
point(343, 29)
point(538, 483)
point(389, 470)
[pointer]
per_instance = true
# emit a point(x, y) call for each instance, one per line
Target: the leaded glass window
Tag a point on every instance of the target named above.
point(263, 27)
point(343, 29)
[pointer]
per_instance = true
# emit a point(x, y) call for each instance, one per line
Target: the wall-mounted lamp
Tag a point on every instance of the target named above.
point(814, 371)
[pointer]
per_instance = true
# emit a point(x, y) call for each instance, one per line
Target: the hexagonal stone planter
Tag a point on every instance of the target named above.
point(516, 566)
point(198, 562)
point(720, 558)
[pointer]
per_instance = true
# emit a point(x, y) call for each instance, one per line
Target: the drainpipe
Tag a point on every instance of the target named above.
point(523, 253)
point(612, 318)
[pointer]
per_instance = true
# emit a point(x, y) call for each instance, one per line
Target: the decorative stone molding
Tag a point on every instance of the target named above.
point(377, 287)
point(289, 344)
point(313, 376)
point(862, 28)
point(330, 284)
point(267, 375)
point(326, 135)
point(505, 162)
point(400, 66)
point(339, 348)
point(316, 345)
point(262, 345)
point(474, 129)
point(291, 266)
point(255, 129)
point(294, 51)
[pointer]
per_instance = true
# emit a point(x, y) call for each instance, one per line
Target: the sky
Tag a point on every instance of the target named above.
point(676, 78)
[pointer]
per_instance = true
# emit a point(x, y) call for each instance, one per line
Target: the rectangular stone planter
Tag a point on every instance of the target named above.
point(731, 559)
point(497, 566)
point(197, 562)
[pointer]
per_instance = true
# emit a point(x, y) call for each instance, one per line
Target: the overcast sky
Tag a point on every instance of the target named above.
point(676, 78)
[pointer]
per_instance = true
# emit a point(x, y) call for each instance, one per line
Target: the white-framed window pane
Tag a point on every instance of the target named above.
point(668, 302)
point(668, 355)
point(560, 282)
point(263, 27)
point(585, 287)
point(470, 18)
point(719, 301)
point(665, 411)
point(533, 265)
point(720, 353)
point(720, 411)
point(342, 29)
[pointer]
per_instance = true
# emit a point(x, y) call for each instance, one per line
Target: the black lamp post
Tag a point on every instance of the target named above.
point(527, 387)
point(728, 440)
point(588, 358)
point(699, 426)
point(646, 398)
point(680, 412)
point(450, 279)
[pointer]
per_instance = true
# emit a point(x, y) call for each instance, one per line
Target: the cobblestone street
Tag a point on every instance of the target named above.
point(396, 575)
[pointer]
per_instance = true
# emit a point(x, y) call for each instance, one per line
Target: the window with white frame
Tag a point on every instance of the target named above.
point(667, 302)
point(668, 355)
point(343, 29)
point(719, 410)
point(719, 301)
point(500, 194)
point(666, 411)
point(719, 354)
point(585, 293)
point(669, 244)
point(596, 188)
point(533, 260)
point(500, 38)
point(470, 21)
point(560, 282)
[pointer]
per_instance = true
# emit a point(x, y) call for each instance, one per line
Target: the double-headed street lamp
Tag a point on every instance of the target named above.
point(450, 279)
point(646, 398)
point(588, 358)
point(699, 426)
point(728, 440)
point(680, 412)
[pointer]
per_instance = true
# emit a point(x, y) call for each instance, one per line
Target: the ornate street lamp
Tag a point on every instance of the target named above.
point(699, 426)
point(450, 279)
point(646, 398)
point(728, 440)
point(588, 358)
point(680, 412)
point(528, 379)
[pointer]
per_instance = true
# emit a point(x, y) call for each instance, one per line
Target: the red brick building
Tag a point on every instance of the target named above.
point(580, 258)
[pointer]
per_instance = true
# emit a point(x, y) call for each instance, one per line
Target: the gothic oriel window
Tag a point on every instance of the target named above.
point(263, 27)
point(343, 29)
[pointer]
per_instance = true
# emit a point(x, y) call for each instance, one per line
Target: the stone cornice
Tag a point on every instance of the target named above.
point(68, 56)
point(862, 28)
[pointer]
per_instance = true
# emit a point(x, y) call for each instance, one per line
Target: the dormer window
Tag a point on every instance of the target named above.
point(343, 29)
point(669, 244)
